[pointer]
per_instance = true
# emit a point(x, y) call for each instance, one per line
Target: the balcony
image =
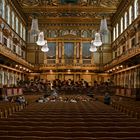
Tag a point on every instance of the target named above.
point(67, 64)
point(9, 54)
point(123, 57)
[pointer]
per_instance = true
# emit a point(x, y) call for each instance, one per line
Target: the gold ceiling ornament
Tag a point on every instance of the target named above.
point(29, 3)
point(6, 32)
point(15, 40)
point(51, 3)
point(109, 3)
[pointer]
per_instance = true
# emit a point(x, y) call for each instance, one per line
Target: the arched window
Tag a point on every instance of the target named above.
point(114, 33)
point(21, 30)
point(117, 30)
point(24, 33)
point(84, 34)
point(52, 34)
point(135, 9)
point(13, 20)
point(8, 14)
point(125, 20)
point(64, 32)
point(130, 15)
point(2, 8)
point(121, 24)
point(16, 24)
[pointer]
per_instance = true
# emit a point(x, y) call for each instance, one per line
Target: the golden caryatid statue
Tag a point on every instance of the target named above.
point(84, 2)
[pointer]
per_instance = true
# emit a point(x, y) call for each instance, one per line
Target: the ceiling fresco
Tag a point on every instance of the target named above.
point(61, 10)
point(98, 3)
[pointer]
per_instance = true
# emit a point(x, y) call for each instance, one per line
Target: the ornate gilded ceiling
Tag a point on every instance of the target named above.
point(68, 11)
point(96, 3)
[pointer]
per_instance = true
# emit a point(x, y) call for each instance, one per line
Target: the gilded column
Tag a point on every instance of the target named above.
point(63, 54)
point(2, 73)
point(137, 34)
point(59, 51)
point(81, 61)
point(135, 78)
point(57, 46)
point(129, 79)
point(125, 79)
point(92, 58)
point(128, 41)
point(45, 58)
point(36, 55)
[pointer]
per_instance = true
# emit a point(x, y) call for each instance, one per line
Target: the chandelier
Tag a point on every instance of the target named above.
point(34, 27)
point(98, 36)
point(92, 47)
point(103, 27)
point(35, 32)
point(45, 47)
point(41, 41)
point(97, 42)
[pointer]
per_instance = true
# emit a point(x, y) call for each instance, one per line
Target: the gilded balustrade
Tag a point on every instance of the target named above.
point(62, 67)
point(123, 57)
point(8, 53)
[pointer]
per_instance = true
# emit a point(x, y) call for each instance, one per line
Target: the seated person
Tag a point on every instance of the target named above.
point(54, 93)
point(21, 99)
point(107, 98)
point(6, 98)
point(73, 101)
point(11, 99)
point(40, 100)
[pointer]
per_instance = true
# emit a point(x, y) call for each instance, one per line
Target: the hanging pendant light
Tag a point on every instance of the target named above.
point(45, 47)
point(103, 27)
point(41, 40)
point(97, 42)
point(92, 47)
point(34, 27)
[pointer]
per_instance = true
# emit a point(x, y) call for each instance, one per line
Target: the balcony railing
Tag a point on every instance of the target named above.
point(51, 61)
point(69, 61)
point(86, 61)
point(124, 56)
point(8, 53)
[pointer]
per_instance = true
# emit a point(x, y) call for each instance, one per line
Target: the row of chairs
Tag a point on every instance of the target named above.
point(87, 120)
point(126, 108)
point(7, 111)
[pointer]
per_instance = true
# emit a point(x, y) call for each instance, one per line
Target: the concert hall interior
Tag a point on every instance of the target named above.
point(70, 69)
